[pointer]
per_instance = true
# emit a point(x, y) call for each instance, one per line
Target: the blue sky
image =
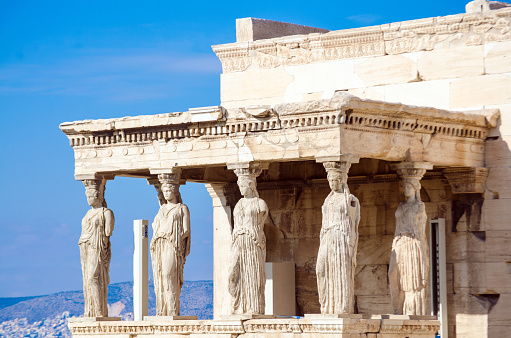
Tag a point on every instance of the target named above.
point(73, 60)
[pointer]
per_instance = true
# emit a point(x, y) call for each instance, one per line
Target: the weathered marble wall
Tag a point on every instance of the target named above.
point(294, 236)
point(294, 224)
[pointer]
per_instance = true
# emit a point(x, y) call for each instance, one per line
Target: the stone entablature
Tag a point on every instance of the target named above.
point(470, 29)
point(344, 124)
point(398, 326)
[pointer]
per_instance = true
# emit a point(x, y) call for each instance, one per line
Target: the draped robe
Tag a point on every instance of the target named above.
point(95, 255)
point(409, 268)
point(337, 256)
point(247, 273)
point(169, 247)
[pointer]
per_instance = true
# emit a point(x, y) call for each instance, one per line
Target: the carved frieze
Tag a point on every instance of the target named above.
point(399, 327)
point(401, 37)
point(343, 108)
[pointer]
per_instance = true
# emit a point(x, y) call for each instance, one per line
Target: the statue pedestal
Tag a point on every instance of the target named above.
point(347, 326)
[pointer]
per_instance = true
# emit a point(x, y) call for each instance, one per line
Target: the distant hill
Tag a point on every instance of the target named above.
point(196, 299)
point(8, 301)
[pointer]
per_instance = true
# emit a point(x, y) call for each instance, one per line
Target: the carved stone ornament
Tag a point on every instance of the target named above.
point(337, 256)
point(170, 246)
point(467, 180)
point(247, 274)
point(409, 261)
point(478, 26)
point(280, 327)
point(247, 173)
point(95, 251)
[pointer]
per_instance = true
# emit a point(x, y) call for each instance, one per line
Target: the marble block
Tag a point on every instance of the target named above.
point(165, 318)
point(93, 319)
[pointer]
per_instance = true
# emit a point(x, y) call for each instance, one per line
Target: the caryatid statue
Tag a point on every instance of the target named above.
point(170, 246)
point(95, 253)
point(247, 274)
point(337, 256)
point(409, 260)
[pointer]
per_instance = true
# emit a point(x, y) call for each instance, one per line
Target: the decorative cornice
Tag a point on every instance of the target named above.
point(467, 180)
point(342, 109)
point(400, 37)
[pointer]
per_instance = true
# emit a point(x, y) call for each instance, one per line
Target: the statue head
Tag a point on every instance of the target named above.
point(94, 190)
point(410, 187)
point(171, 192)
point(247, 181)
point(337, 180)
point(248, 186)
point(337, 175)
point(170, 187)
point(410, 181)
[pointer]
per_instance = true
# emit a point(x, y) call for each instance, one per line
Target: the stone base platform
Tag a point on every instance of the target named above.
point(94, 319)
point(168, 318)
point(314, 326)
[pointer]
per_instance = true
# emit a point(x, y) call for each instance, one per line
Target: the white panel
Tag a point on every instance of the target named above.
point(140, 269)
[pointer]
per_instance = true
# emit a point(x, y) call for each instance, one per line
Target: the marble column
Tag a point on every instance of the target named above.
point(95, 251)
point(247, 272)
point(170, 245)
point(222, 220)
point(409, 261)
point(337, 256)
